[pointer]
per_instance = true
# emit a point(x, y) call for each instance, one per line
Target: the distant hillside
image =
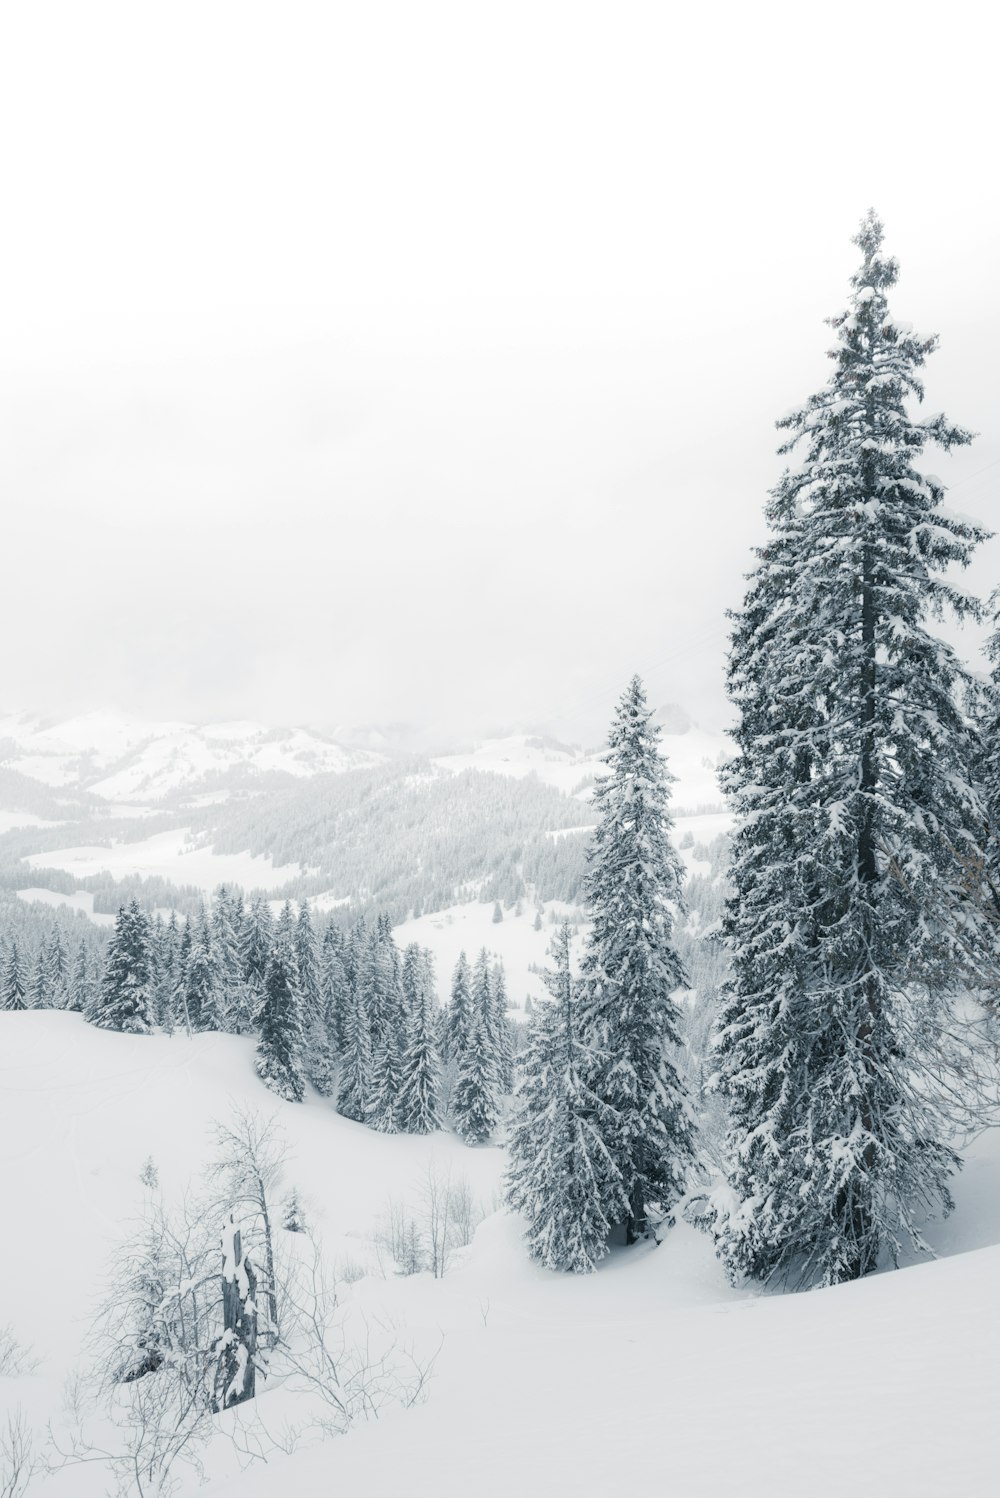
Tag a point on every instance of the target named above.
point(126, 761)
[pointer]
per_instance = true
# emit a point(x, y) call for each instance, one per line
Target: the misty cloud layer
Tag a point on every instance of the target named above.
point(434, 392)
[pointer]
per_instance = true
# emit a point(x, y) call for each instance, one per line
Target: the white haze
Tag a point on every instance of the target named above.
point(370, 362)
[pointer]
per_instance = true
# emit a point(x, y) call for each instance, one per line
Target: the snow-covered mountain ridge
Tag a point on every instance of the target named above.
point(124, 760)
point(131, 762)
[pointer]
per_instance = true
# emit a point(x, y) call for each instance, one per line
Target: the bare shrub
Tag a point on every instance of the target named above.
point(18, 1460)
point(15, 1359)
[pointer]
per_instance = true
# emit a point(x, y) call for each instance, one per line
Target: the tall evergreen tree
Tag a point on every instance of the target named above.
point(334, 988)
point(631, 969)
point(167, 975)
point(125, 998)
point(418, 1111)
point(317, 1053)
point(383, 1004)
point(56, 971)
point(227, 960)
point(81, 988)
point(14, 992)
point(475, 1097)
point(561, 1174)
point(457, 1018)
point(279, 1046)
point(38, 988)
point(354, 1082)
point(856, 826)
point(201, 980)
point(256, 939)
point(503, 1040)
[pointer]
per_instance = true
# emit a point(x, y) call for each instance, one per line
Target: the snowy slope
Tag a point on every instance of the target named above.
point(170, 855)
point(468, 928)
point(652, 1374)
point(693, 756)
point(128, 761)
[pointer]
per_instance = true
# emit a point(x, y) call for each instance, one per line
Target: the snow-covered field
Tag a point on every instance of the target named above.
point(81, 899)
point(693, 756)
point(468, 928)
point(9, 820)
point(652, 1375)
point(172, 856)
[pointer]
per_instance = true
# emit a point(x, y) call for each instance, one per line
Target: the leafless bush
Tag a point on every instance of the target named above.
point(352, 1373)
point(15, 1359)
point(435, 1196)
point(18, 1460)
point(350, 1270)
point(159, 1429)
point(399, 1237)
point(462, 1212)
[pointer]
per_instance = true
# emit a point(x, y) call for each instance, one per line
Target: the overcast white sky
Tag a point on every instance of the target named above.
point(369, 362)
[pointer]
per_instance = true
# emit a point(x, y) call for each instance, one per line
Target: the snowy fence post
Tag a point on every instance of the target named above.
point(235, 1379)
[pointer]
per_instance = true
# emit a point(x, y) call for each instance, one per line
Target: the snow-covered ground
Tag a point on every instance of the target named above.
point(469, 928)
point(9, 820)
point(171, 856)
point(653, 1374)
point(693, 757)
point(81, 899)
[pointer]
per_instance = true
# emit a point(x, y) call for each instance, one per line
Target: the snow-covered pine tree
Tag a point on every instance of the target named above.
point(986, 716)
point(856, 824)
point(256, 939)
point(475, 1097)
point(354, 1080)
point(81, 985)
point(124, 1000)
point(14, 993)
point(317, 1054)
point(201, 979)
point(167, 978)
point(631, 969)
point(279, 1045)
point(561, 1174)
point(457, 1018)
point(383, 1000)
point(420, 1081)
point(334, 987)
point(227, 959)
point(503, 1040)
point(38, 992)
point(56, 971)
